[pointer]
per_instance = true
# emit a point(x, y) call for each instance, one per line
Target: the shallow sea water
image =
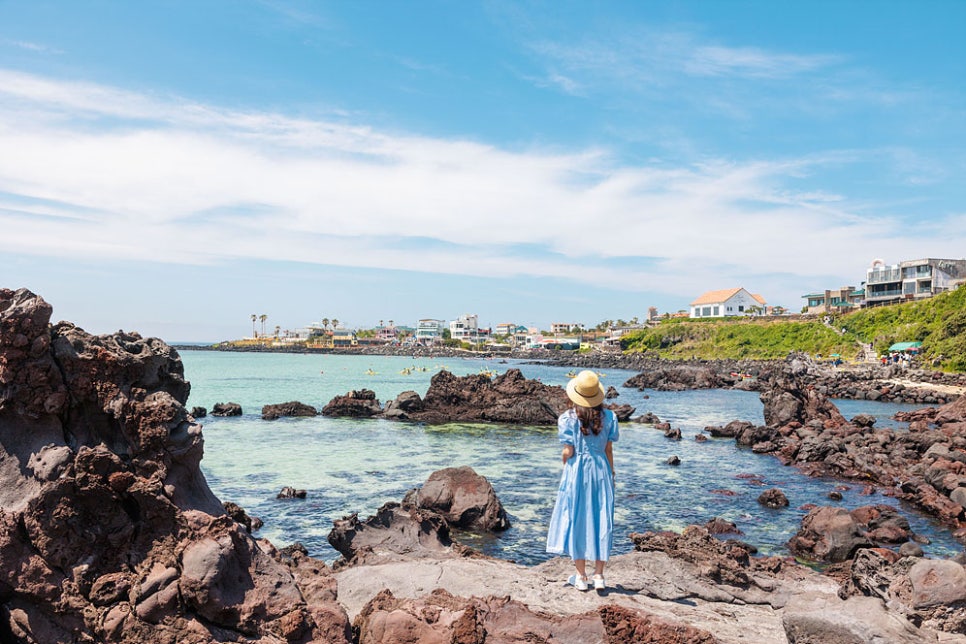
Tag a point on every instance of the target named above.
point(351, 466)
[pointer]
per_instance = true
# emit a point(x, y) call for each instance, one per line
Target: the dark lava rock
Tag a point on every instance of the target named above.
point(405, 404)
point(773, 498)
point(461, 496)
point(673, 434)
point(393, 529)
point(673, 460)
point(828, 534)
point(238, 514)
point(647, 417)
point(509, 398)
point(199, 412)
point(114, 506)
point(355, 404)
point(611, 393)
point(623, 412)
point(291, 493)
point(863, 420)
point(718, 525)
point(226, 409)
point(293, 408)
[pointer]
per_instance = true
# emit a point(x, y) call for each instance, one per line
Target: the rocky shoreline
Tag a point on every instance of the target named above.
point(109, 532)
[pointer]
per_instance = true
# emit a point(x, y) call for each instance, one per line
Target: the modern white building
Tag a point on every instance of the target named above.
point(465, 327)
point(430, 331)
point(727, 302)
point(912, 279)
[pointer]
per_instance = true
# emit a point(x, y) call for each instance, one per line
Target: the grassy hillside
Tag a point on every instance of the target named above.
point(739, 338)
point(939, 323)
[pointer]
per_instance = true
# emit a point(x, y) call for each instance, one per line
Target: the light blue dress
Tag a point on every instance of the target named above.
point(582, 523)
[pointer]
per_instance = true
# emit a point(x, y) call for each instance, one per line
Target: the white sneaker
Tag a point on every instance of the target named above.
point(599, 583)
point(578, 582)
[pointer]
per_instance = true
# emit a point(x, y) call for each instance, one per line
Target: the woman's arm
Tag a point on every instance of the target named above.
point(609, 450)
point(566, 453)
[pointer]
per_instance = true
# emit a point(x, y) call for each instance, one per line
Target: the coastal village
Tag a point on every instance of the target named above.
point(884, 284)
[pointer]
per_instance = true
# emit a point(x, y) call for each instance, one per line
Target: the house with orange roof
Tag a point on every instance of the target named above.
point(726, 302)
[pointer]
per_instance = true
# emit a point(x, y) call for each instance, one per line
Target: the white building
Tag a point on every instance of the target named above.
point(465, 327)
point(912, 279)
point(430, 331)
point(730, 301)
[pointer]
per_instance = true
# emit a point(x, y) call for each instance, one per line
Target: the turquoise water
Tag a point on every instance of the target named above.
point(357, 465)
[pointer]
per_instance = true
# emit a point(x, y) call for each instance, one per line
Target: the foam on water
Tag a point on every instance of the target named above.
point(357, 465)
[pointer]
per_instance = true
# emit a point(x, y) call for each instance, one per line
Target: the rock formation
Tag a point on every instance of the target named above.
point(509, 398)
point(293, 408)
point(108, 530)
point(461, 496)
point(355, 404)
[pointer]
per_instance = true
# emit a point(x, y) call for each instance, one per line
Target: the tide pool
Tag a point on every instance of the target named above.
point(351, 466)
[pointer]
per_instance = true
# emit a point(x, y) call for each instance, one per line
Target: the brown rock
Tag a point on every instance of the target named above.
point(828, 534)
point(355, 404)
point(293, 408)
point(110, 492)
point(773, 498)
point(461, 496)
point(627, 625)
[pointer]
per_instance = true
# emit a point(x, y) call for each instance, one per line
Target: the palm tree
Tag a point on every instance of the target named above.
point(392, 324)
point(335, 323)
point(263, 317)
point(254, 333)
point(325, 323)
point(277, 329)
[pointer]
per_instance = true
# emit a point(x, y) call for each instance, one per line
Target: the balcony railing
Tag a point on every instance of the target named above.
point(887, 275)
point(892, 292)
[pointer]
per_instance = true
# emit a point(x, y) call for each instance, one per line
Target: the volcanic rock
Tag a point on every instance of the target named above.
point(226, 409)
point(791, 401)
point(293, 408)
point(108, 530)
point(288, 492)
point(461, 496)
point(509, 399)
point(623, 412)
point(405, 403)
point(773, 498)
point(828, 534)
point(355, 404)
point(392, 530)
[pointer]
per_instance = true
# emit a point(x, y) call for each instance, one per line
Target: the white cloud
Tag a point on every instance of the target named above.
point(105, 173)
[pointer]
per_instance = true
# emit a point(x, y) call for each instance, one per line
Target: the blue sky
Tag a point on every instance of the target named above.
point(173, 167)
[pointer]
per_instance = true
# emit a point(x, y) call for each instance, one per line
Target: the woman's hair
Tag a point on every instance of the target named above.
point(591, 418)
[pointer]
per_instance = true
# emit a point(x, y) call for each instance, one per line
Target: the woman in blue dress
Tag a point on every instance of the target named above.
point(582, 524)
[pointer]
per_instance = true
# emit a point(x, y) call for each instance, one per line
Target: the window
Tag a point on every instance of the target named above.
point(715, 311)
point(729, 309)
point(706, 311)
point(741, 307)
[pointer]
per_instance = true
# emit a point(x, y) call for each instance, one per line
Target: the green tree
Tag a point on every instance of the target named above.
point(254, 332)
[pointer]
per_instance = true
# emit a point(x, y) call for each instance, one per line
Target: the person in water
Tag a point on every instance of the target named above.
point(582, 523)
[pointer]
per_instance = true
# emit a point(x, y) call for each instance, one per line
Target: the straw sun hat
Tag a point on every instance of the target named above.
point(585, 389)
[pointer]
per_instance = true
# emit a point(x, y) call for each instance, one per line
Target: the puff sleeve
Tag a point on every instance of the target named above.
point(566, 426)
